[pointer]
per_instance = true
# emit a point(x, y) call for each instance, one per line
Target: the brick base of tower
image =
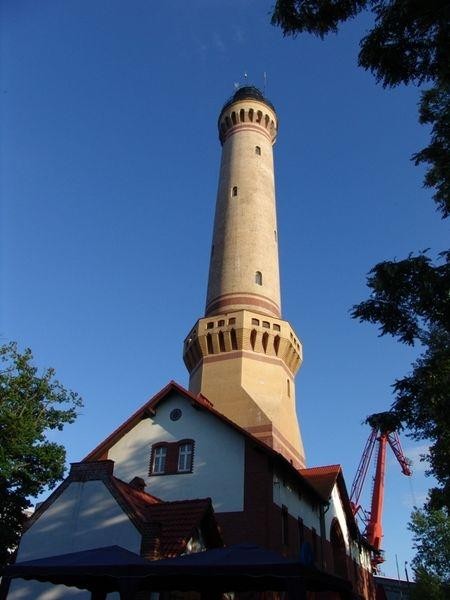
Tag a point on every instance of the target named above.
point(244, 363)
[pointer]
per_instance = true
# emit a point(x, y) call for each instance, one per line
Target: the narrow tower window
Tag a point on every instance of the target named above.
point(234, 191)
point(265, 341)
point(258, 278)
point(258, 150)
point(233, 337)
point(288, 383)
point(276, 344)
point(242, 115)
point(253, 338)
point(209, 344)
point(221, 342)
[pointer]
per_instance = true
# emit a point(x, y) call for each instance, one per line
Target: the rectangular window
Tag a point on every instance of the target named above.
point(301, 532)
point(284, 526)
point(314, 544)
point(185, 458)
point(159, 460)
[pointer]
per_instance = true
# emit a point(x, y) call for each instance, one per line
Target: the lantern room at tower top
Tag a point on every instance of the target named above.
point(242, 355)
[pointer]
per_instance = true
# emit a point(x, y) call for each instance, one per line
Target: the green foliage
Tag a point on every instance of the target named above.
point(431, 541)
point(410, 300)
point(30, 406)
point(435, 111)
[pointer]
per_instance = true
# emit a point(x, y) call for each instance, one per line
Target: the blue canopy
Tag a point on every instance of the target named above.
point(243, 567)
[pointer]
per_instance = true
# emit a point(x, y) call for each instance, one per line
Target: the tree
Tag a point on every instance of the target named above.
point(30, 406)
point(410, 299)
point(431, 564)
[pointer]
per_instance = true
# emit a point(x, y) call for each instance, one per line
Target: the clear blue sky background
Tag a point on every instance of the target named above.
point(109, 165)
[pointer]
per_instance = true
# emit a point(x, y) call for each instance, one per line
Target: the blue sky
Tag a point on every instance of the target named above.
point(109, 166)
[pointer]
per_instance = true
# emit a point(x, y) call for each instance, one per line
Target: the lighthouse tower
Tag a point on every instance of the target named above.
point(242, 355)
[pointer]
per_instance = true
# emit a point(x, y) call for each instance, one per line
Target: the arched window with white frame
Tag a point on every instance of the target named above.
point(159, 460)
point(185, 456)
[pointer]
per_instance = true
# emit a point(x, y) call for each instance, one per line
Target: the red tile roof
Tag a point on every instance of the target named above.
point(138, 500)
point(175, 522)
point(179, 522)
point(322, 479)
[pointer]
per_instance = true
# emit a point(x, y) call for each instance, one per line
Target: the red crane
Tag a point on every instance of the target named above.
point(383, 432)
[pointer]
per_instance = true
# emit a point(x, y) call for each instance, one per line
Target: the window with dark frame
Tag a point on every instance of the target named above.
point(171, 458)
point(284, 525)
point(185, 452)
point(159, 460)
point(301, 532)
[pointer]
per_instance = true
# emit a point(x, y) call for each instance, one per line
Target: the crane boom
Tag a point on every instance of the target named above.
point(361, 472)
point(383, 433)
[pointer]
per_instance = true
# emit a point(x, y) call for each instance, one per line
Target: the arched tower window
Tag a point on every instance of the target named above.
point(221, 342)
point(265, 341)
point(258, 278)
point(242, 115)
point(276, 344)
point(209, 344)
point(253, 338)
point(233, 337)
point(258, 150)
point(234, 191)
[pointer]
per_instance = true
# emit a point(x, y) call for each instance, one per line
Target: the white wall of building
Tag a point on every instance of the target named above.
point(336, 510)
point(297, 506)
point(218, 470)
point(84, 516)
